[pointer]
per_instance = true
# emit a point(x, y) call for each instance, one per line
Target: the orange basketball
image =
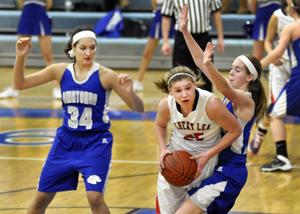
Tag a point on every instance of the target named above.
point(179, 169)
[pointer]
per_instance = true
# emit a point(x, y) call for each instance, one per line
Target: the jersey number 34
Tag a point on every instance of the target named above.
point(85, 119)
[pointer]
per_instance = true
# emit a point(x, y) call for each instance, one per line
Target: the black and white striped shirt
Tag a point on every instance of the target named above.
point(199, 13)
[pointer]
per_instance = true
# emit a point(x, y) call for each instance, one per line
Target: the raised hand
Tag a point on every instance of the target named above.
point(23, 46)
point(125, 81)
point(166, 49)
point(183, 18)
point(208, 53)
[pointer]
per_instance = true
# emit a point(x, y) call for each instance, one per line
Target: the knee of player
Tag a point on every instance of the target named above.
point(95, 198)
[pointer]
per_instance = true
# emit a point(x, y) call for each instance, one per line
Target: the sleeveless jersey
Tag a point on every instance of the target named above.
point(85, 103)
point(296, 48)
point(282, 21)
point(195, 132)
point(236, 153)
point(39, 2)
point(288, 101)
point(264, 3)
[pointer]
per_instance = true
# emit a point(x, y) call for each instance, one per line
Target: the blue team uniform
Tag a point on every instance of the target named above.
point(155, 30)
point(288, 101)
point(264, 11)
point(83, 143)
point(34, 19)
point(219, 191)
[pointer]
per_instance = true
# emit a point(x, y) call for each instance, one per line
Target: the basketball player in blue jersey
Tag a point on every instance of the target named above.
point(288, 101)
point(197, 117)
point(263, 10)
point(155, 34)
point(34, 21)
point(246, 99)
point(279, 71)
point(83, 143)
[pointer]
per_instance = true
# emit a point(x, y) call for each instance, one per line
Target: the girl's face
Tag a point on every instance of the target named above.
point(238, 75)
point(183, 91)
point(85, 51)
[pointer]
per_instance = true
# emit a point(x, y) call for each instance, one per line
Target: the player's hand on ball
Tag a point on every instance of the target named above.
point(201, 159)
point(161, 158)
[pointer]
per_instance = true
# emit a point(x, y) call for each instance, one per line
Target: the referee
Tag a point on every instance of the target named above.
point(199, 26)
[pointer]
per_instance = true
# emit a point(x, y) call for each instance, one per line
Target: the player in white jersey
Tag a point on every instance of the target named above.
point(245, 98)
point(197, 117)
point(280, 71)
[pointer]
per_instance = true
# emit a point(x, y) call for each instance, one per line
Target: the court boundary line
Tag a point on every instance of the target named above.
point(43, 159)
point(113, 161)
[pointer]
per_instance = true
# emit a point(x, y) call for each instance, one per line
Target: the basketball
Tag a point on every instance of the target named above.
point(179, 169)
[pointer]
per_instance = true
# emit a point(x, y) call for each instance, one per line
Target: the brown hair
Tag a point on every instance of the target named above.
point(296, 6)
point(257, 90)
point(68, 46)
point(181, 72)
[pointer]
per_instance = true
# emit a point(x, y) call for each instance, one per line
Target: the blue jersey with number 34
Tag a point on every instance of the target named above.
point(85, 102)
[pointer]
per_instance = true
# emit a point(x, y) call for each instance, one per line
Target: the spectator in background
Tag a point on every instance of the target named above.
point(263, 10)
point(155, 34)
point(242, 9)
point(198, 25)
point(34, 21)
point(109, 5)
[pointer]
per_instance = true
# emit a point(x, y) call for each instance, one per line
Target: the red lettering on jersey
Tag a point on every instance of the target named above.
point(195, 136)
point(203, 127)
point(185, 125)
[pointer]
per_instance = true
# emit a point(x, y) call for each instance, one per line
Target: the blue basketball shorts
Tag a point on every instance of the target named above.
point(34, 21)
point(155, 30)
point(89, 155)
point(217, 193)
point(261, 21)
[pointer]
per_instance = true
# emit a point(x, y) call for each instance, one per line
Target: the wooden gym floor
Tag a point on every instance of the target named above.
point(27, 128)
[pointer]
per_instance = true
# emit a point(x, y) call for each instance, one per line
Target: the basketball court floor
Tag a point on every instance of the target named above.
point(27, 129)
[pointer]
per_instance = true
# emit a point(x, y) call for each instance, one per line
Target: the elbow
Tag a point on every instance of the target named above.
point(235, 132)
point(238, 131)
point(139, 108)
point(18, 86)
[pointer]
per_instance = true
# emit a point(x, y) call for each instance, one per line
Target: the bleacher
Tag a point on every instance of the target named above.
point(122, 52)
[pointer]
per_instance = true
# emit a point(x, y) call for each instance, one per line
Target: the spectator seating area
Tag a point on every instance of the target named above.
point(124, 52)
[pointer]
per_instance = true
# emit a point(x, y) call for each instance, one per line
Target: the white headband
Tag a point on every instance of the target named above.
point(175, 75)
point(80, 35)
point(249, 65)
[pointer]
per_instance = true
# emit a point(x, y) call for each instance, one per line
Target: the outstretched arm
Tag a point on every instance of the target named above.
point(161, 124)
point(285, 39)
point(204, 61)
point(271, 36)
point(194, 48)
point(122, 84)
point(217, 112)
point(47, 74)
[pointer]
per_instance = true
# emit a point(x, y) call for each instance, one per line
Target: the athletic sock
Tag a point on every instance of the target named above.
point(281, 148)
